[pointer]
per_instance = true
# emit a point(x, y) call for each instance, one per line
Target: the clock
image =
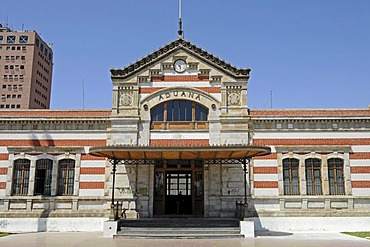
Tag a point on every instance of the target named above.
point(179, 65)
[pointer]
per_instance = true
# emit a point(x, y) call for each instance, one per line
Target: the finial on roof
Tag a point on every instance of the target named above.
point(180, 32)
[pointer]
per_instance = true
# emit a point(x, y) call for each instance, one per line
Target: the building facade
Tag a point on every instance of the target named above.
point(183, 142)
point(26, 66)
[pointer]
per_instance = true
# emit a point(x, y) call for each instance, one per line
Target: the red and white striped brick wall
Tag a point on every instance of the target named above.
point(92, 176)
point(194, 81)
point(92, 169)
point(265, 168)
point(265, 175)
point(360, 170)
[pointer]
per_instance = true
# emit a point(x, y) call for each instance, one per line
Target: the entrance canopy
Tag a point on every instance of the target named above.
point(179, 152)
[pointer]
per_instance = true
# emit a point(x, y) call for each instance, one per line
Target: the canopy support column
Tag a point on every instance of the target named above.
point(113, 215)
point(245, 179)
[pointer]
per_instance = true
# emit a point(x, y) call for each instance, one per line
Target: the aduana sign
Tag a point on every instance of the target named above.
point(178, 94)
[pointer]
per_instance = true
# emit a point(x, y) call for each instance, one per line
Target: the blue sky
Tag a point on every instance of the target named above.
point(309, 53)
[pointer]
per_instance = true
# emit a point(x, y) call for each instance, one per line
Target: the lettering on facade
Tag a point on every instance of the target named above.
point(183, 94)
point(125, 191)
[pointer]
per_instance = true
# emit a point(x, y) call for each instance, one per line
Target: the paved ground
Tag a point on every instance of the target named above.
point(276, 239)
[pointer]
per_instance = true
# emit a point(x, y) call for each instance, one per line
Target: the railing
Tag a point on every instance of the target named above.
point(117, 209)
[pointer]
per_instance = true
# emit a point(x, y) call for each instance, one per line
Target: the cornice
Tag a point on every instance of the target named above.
point(241, 73)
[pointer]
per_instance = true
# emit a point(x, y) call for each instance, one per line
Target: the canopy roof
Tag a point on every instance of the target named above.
point(179, 152)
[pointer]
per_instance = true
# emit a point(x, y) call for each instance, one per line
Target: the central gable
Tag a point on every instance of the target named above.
point(200, 65)
point(180, 72)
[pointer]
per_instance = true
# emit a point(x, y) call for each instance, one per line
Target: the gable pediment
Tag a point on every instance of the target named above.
point(161, 61)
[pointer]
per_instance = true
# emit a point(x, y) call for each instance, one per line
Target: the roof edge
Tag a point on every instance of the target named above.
point(188, 46)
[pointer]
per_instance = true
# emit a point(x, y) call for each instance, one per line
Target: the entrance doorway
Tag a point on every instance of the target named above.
point(178, 187)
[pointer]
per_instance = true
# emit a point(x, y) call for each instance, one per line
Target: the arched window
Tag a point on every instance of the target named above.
point(43, 177)
point(179, 114)
point(66, 175)
point(313, 177)
point(336, 178)
point(21, 177)
point(291, 176)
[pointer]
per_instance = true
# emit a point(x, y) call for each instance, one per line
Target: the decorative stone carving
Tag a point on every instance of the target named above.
point(234, 95)
point(234, 99)
point(126, 96)
point(126, 99)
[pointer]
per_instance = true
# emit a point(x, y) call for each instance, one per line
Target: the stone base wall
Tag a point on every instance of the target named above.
point(312, 206)
point(77, 224)
point(337, 224)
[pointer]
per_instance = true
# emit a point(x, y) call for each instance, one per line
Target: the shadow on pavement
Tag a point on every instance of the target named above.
point(272, 234)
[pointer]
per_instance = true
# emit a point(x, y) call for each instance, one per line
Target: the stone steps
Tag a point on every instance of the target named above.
point(179, 228)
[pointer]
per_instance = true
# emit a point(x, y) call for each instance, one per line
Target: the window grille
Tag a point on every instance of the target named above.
point(43, 177)
point(23, 39)
point(291, 176)
point(66, 173)
point(313, 177)
point(21, 176)
point(10, 39)
point(336, 177)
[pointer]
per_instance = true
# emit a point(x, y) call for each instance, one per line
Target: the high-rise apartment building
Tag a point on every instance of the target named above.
point(26, 65)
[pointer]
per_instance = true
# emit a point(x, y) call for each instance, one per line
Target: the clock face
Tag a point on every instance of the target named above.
point(179, 65)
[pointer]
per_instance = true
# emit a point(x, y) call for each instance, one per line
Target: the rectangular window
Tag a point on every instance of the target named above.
point(1, 39)
point(21, 176)
point(291, 176)
point(313, 177)
point(23, 39)
point(43, 176)
point(336, 178)
point(66, 173)
point(41, 47)
point(37, 42)
point(10, 39)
